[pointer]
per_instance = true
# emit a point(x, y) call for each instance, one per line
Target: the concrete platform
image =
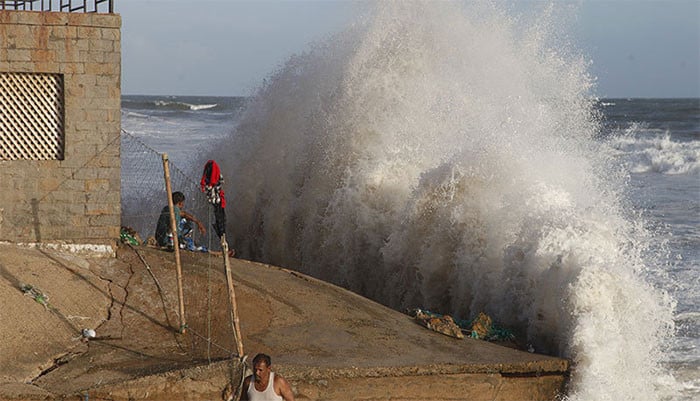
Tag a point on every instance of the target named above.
point(329, 343)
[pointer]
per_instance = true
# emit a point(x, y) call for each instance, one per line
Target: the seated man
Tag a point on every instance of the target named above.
point(184, 222)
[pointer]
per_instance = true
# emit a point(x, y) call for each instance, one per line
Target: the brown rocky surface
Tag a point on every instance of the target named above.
point(330, 343)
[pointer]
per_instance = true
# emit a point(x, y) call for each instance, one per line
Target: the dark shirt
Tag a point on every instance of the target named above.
point(163, 226)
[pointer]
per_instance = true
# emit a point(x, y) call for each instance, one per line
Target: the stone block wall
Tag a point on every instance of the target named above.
point(75, 200)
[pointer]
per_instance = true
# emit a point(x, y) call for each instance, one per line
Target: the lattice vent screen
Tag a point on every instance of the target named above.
point(31, 116)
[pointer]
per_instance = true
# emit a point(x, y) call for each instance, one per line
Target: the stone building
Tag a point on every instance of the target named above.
point(60, 99)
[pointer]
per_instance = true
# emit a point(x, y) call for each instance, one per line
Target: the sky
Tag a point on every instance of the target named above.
point(636, 48)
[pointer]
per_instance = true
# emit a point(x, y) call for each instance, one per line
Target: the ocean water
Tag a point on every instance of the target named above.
point(455, 160)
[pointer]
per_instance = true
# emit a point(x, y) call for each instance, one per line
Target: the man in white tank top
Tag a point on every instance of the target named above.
point(264, 384)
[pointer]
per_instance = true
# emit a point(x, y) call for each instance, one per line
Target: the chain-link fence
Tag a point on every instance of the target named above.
point(143, 193)
point(143, 197)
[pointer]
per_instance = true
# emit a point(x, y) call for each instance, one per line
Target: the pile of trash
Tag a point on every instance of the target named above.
point(481, 327)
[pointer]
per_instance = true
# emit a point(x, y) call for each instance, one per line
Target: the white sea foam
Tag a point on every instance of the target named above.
point(202, 106)
point(183, 105)
point(442, 158)
point(134, 114)
point(658, 153)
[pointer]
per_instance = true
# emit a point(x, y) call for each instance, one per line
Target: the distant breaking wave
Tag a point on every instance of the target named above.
point(446, 158)
point(165, 105)
point(183, 106)
point(658, 153)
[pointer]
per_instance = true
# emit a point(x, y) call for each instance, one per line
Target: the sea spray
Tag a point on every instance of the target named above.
point(446, 158)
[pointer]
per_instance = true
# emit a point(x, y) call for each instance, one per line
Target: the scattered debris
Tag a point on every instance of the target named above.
point(151, 241)
point(78, 317)
point(36, 294)
point(88, 333)
point(442, 324)
point(129, 236)
point(481, 327)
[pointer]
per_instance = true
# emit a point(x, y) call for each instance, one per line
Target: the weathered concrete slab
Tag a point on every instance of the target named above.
point(329, 343)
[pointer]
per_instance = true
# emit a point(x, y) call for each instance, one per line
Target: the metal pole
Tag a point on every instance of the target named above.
point(176, 243)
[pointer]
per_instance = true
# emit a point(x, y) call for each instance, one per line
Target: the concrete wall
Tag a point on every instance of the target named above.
point(455, 387)
point(75, 200)
point(208, 382)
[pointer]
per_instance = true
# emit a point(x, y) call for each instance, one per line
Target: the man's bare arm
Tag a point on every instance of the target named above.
point(196, 221)
point(285, 388)
point(244, 390)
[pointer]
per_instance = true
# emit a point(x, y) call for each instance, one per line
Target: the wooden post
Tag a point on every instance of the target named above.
point(176, 242)
point(232, 296)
